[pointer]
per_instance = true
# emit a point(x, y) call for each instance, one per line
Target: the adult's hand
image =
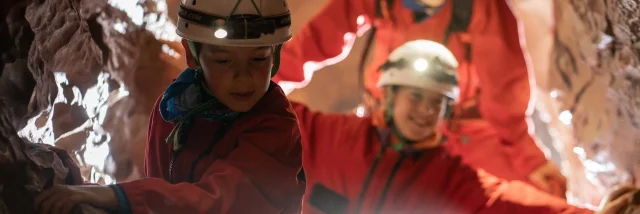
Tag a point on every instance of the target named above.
point(550, 179)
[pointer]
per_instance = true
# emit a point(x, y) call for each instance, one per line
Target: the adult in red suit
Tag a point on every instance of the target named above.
point(489, 128)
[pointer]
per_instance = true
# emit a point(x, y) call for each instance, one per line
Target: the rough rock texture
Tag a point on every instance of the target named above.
point(68, 62)
point(25, 168)
point(107, 69)
point(594, 81)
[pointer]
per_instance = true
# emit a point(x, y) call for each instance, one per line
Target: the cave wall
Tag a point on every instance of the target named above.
point(97, 70)
point(587, 77)
point(25, 168)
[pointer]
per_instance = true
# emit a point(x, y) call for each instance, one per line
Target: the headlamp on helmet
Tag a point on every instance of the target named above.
point(434, 70)
point(422, 64)
point(241, 26)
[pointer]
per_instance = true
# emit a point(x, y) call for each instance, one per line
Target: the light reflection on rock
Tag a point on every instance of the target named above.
point(108, 77)
point(590, 93)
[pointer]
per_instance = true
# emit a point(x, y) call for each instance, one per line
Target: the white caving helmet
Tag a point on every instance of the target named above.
point(235, 22)
point(422, 64)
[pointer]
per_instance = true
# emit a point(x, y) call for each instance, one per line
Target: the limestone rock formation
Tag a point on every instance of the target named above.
point(83, 74)
point(591, 89)
point(104, 59)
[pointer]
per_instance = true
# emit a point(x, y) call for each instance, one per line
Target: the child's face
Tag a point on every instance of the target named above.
point(237, 76)
point(416, 112)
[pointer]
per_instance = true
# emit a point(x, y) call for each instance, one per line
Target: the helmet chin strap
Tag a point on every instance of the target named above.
point(195, 52)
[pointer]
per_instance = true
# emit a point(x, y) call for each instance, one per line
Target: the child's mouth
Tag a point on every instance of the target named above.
point(243, 96)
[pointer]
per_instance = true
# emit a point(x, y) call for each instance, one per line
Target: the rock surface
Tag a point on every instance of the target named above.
point(591, 90)
point(82, 74)
point(25, 168)
point(104, 60)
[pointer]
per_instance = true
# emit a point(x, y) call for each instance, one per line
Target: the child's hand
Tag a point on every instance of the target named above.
point(61, 199)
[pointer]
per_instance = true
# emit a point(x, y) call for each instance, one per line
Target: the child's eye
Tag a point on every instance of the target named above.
point(259, 59)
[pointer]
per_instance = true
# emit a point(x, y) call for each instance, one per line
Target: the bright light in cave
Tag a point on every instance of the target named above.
point(360, 111)
point(95, 103)
point(120, 26)
point(156, 23)
point(39, 129)
point(565, 117)
point(132, 9)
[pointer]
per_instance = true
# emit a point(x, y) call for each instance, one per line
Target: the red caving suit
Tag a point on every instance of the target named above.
point(340, 150)
point(496, 85)
point(252, 169)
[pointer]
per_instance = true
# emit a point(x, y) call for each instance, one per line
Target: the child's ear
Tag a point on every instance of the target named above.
point(191, 61)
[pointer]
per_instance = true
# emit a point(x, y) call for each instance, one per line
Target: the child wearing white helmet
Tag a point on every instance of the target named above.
point(396, 164)
point(222, 138)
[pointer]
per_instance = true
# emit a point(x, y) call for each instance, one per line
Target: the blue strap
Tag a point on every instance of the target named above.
point(420, 10)
point(414, 5)
point(123, 202)
point(188, 98)
point(185, 80)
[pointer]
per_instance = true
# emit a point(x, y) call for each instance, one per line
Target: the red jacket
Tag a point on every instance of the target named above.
point(252, 169)
point(498, 71)
point(339, 150)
